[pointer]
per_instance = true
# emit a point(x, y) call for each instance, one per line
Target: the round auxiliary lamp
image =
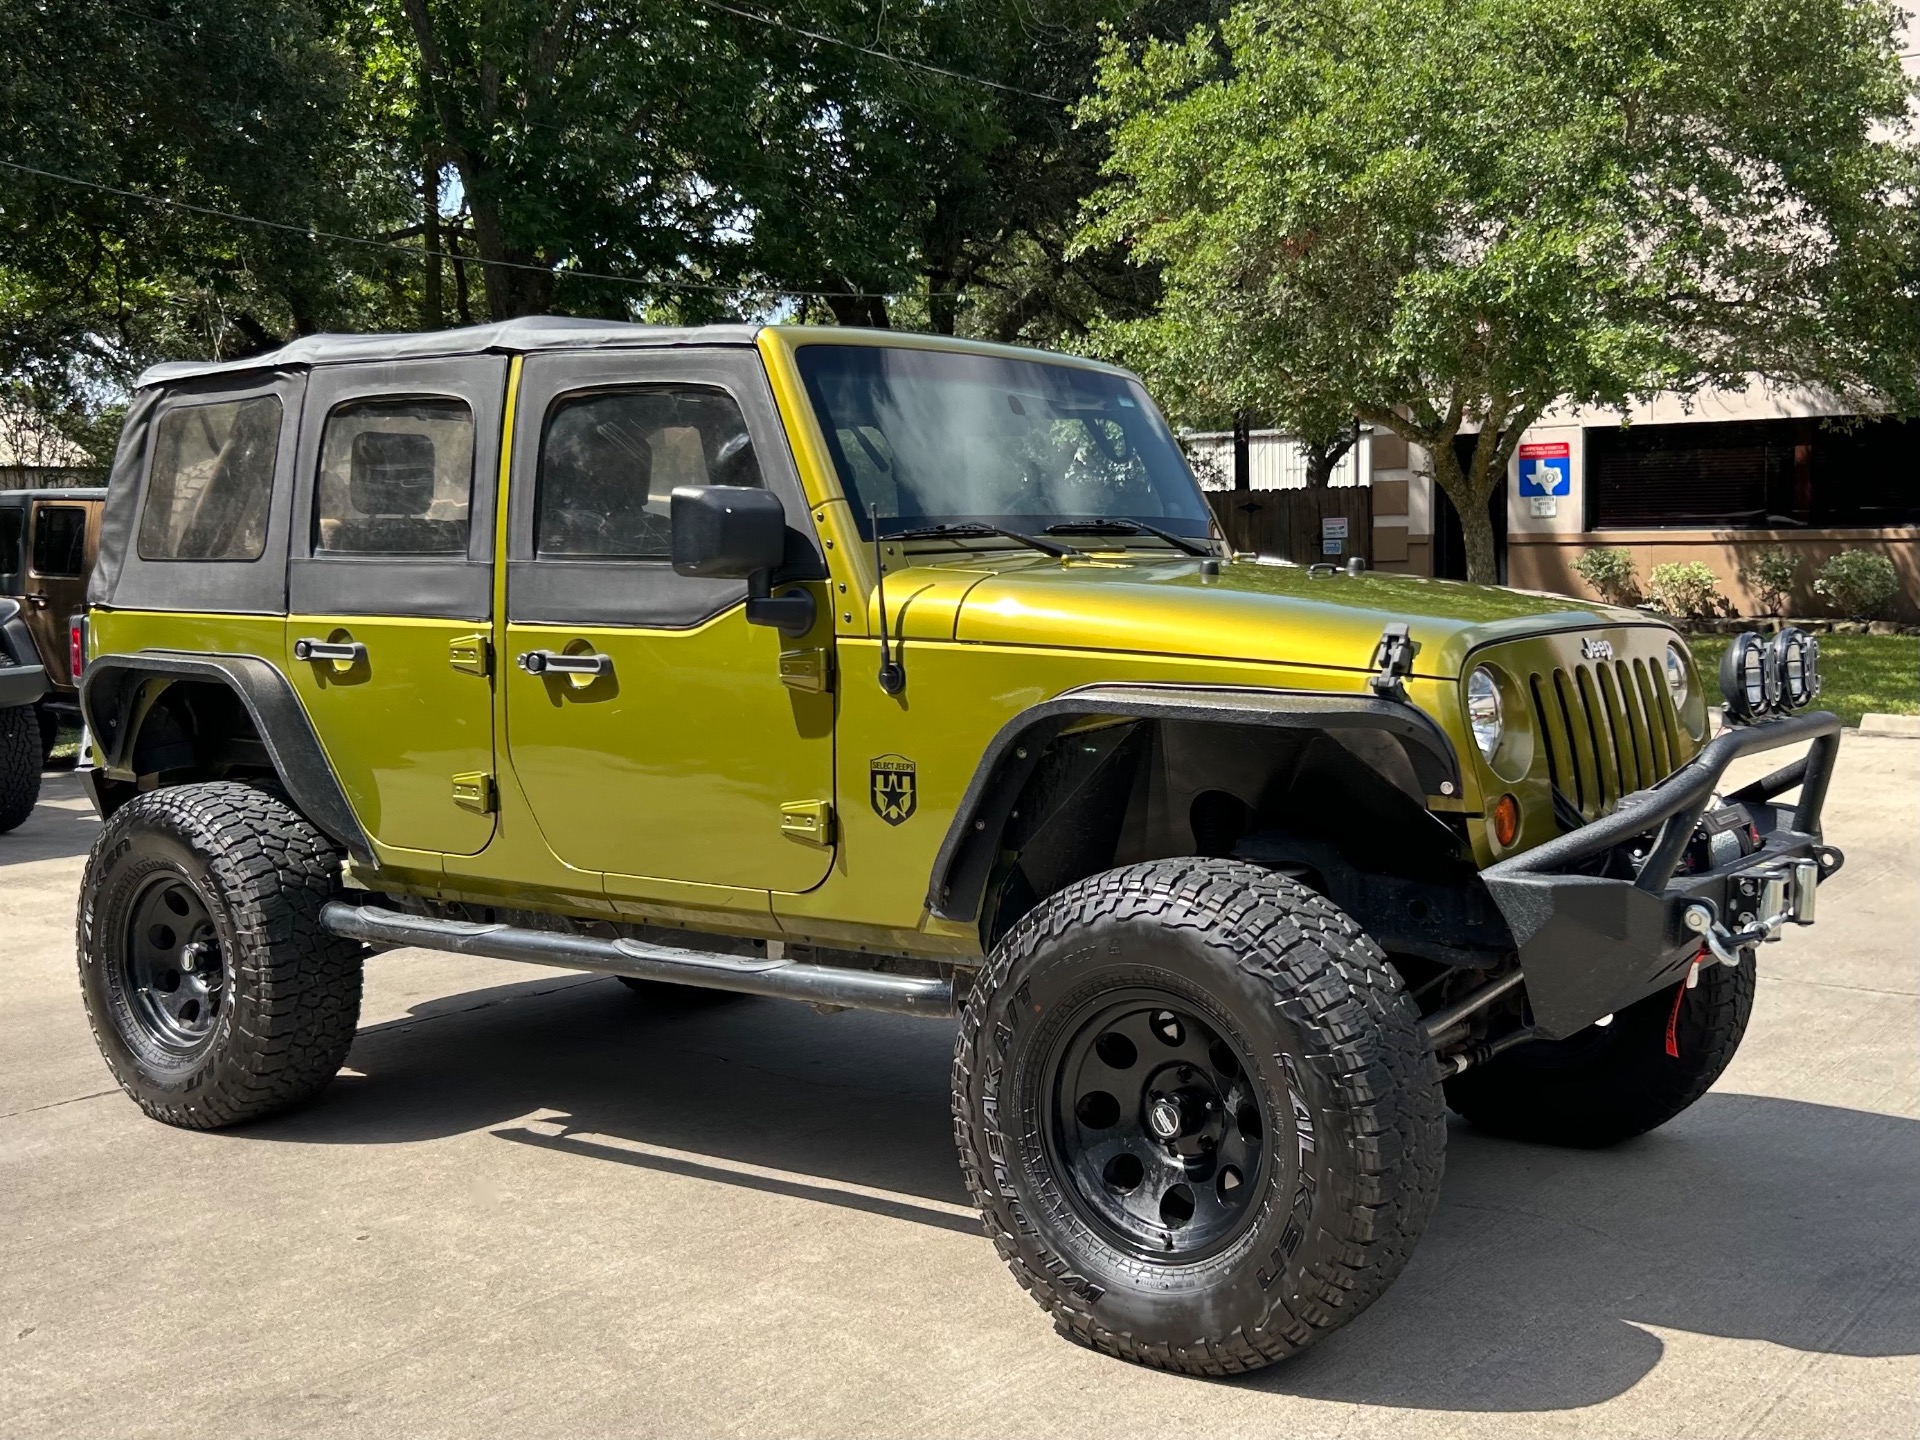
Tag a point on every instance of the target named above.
point(1760, 677)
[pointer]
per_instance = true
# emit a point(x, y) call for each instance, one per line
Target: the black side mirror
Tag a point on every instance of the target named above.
point(736, 532)
point(727, 532)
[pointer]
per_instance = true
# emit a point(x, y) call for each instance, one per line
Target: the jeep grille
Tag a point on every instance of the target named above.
point(1609, 728)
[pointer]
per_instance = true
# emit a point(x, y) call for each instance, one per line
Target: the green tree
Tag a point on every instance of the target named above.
point(223, 105)
point(1446, 216)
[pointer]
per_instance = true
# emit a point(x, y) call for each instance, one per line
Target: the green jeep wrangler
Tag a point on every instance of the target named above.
point(886, 671)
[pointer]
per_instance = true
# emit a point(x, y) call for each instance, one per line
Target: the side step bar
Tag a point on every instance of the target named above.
point(749, 975)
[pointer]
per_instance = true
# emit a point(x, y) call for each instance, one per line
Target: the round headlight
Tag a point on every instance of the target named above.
point(1677, 676)
point(1796, 667)
point(1483, 710)
point(1748, 677)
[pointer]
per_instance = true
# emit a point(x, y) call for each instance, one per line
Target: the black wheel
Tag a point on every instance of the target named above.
point(19, 764)
point(1196, 1109)
point(214, 995)
point(665, 995)
point(1612, 1082)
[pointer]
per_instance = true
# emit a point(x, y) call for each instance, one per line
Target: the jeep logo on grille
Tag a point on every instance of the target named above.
point(1591, 649)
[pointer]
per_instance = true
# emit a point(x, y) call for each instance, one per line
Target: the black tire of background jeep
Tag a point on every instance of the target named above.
point(261, 1015)
point(19, 764)
point(1611, 1082)
point(1326, 1041)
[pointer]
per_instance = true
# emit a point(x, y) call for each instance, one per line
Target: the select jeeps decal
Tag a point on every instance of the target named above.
point(893, 791)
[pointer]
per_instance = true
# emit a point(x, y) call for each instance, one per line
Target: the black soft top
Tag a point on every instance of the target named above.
point(535, 332)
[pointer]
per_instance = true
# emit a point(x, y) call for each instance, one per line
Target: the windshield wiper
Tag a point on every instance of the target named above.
point(1130, 527)
point(963, 529)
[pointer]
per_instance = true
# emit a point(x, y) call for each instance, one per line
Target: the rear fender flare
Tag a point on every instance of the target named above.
point(111, 691)
point(966, 855)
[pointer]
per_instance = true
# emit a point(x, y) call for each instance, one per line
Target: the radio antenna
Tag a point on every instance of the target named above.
point(893, 675)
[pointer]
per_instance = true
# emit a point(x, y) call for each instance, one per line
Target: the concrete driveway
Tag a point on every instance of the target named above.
point(535, 1206)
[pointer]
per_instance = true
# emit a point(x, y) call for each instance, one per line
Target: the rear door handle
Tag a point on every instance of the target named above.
point(340, 652)
point(553, 662)
point(38, 602)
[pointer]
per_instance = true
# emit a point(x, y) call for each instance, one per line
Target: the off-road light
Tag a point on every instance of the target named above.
point(1796, 668)
point(1678, 680)
point(1748, 678)
point(1483, 710)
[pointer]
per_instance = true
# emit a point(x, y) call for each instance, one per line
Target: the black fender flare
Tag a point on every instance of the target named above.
point(965, 858)
point(23, 678)
point(111, 686)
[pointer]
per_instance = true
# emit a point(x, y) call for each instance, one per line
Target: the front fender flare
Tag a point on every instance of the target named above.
point(967, 852)
point(110, 688)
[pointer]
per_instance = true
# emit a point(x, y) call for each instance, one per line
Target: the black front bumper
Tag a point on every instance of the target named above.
point(1593, 943)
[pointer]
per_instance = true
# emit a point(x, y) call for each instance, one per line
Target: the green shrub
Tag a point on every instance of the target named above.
point(1858, 583)
point(1769, 572)
point(1611, 573)
point(1685, 587)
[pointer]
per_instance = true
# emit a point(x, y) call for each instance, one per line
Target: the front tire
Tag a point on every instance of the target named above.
point(1611, 1082)
point(19, 764)
point(1195, 1107)
point(214, 994)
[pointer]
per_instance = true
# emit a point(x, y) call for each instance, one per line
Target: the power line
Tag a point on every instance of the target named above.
point(777, 23)
point(312, 233)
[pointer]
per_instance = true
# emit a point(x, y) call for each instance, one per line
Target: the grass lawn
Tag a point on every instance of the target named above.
point(1858, 673)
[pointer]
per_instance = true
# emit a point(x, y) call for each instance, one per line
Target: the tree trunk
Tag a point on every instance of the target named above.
point(516, 283)
point(1476, 525)
point(867, 312)
point(432, 308)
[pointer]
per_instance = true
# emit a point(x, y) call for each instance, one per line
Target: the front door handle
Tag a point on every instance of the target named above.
point(554, 662)
point(340, 652)
point(38, 602)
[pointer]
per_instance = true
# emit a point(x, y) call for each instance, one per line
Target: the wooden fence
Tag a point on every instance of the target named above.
point(1289, 523)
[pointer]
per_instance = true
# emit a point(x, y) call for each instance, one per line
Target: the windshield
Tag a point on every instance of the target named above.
point(931, 437)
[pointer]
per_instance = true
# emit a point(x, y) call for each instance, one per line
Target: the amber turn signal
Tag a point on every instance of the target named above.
point(1506, 819)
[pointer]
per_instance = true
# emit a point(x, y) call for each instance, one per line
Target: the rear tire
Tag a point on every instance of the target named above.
point(214, 994)
point(19, 764)
point(1195, 1107)
point(1612, 1082)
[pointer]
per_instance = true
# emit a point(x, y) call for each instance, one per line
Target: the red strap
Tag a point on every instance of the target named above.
point(1673, 1020)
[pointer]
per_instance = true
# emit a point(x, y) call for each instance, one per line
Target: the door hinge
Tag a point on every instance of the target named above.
point(471, 654)
point(474, 792)
point(809, 670)
point(809, 821)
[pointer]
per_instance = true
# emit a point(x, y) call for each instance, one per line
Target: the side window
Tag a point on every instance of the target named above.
point(60, 540)
point(610, 460)
point(13, 540)
point(396, 478)
point(212, 483)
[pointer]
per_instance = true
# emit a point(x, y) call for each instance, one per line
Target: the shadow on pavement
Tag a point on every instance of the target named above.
point(1750, 1217)
point(63, 830)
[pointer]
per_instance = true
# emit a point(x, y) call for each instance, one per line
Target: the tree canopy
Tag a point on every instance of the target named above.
point(1443, 217)
point(211, 177)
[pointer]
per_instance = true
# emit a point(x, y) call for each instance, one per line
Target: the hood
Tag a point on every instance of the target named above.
point(1248, 612)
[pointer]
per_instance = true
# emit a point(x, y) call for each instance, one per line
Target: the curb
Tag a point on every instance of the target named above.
point(1907, 726)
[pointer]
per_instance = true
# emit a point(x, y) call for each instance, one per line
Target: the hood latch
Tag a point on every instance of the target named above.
point(1393, 660)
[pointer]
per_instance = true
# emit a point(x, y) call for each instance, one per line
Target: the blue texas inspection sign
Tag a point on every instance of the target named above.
point(1545, 469)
